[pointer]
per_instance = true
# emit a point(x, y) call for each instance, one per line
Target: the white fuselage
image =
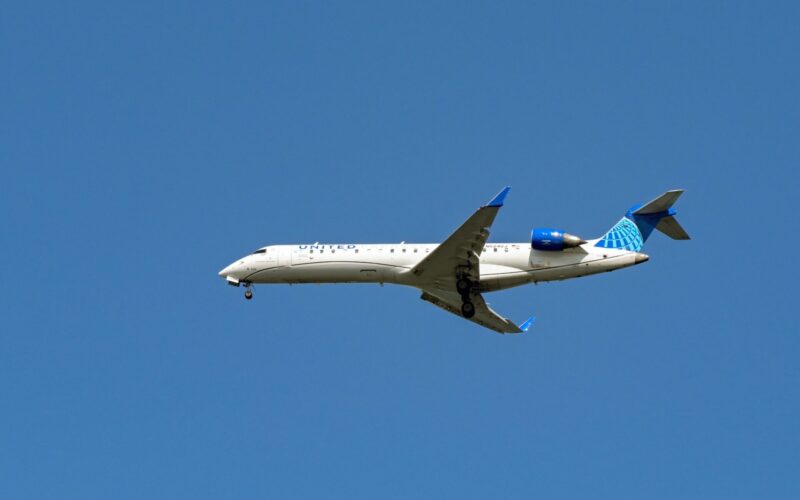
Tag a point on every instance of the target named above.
point(502, 265)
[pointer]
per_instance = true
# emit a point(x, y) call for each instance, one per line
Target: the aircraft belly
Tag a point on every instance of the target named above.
point(329, 272)
point(496, 277)
point(494, 283)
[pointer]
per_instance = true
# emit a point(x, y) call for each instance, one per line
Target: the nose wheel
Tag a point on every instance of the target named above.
point(248, 292)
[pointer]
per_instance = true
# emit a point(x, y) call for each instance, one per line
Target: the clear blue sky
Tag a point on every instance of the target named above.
point(144, 146)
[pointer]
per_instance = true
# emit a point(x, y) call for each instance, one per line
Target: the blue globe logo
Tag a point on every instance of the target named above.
point(624, 236)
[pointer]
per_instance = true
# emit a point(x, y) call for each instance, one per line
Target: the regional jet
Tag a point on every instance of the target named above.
point(455, 274)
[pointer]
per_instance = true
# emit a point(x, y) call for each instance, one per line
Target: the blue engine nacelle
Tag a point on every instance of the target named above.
point(553, 240)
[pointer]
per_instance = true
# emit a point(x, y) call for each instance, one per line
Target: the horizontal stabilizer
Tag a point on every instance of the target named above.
point(660, 204)
point(672, 228)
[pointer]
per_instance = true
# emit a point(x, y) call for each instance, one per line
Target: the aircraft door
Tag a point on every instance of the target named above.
point(300, 255)
point(268, 258)
point(282, 256)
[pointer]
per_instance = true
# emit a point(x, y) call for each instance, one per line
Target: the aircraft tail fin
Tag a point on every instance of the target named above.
point(632, 231)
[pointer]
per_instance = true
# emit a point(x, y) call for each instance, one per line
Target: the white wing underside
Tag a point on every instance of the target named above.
point(484, 315)
point(459, 257)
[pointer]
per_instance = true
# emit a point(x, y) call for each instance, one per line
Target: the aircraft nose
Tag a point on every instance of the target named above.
point(225, 271)
point(640, 257)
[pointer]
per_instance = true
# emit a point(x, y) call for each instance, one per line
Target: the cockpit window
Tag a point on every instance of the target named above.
point(260, 250)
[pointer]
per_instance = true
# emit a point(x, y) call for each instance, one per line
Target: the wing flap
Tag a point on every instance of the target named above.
point(460, 252)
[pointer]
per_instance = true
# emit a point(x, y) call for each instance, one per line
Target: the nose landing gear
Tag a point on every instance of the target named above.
point(248, 291)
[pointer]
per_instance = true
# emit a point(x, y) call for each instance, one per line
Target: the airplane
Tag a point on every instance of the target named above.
point(455, 274)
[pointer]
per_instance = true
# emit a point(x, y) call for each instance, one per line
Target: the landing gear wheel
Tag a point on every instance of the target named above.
point(463, 286)
point(248, 294)
point(468, 309)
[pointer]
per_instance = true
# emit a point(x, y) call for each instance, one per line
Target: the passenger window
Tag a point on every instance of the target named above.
point(392, 250)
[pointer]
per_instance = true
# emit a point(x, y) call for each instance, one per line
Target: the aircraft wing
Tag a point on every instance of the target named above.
point(458, 254)
point(484, 315)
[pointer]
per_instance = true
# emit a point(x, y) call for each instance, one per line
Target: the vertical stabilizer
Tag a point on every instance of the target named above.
point(625, 235)
point(632, 231)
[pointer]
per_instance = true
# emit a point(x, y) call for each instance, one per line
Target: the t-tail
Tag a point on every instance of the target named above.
point(632, 231)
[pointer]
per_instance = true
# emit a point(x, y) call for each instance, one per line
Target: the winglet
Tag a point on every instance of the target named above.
point(524, 326)
point(497, 201)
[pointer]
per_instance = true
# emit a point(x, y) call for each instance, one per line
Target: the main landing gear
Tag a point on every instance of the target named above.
point(468, 309)
point(248, 291)
point(464, 288)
